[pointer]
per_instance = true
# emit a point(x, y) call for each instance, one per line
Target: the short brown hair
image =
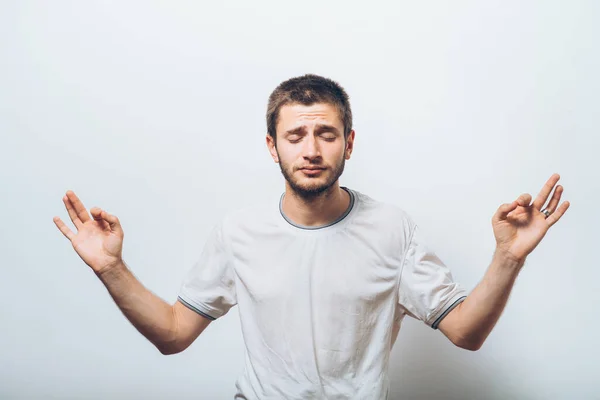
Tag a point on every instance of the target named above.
point(307, 90)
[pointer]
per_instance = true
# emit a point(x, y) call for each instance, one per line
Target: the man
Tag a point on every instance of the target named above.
point(324, 275)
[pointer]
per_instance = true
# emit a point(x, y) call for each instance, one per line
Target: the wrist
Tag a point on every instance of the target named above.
point(507, 259)
point(111, 270)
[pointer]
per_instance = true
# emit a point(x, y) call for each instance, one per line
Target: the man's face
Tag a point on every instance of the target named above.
point(311, 150)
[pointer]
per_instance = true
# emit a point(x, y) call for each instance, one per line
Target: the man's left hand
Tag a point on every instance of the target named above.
point(520, 226)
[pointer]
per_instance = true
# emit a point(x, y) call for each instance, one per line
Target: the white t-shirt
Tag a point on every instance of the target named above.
point(320, 307)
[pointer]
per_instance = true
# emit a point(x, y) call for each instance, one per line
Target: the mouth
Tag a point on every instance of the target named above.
point(312, 170)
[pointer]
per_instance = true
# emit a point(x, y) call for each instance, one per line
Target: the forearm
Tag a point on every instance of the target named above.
point(480, 311)
point(151, 316)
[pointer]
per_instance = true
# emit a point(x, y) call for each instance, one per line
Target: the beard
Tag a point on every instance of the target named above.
point(309, 187)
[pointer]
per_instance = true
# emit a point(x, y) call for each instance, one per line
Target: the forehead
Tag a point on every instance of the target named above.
point(295, 114)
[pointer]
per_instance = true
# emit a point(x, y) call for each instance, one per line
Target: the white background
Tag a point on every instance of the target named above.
point(155, 112)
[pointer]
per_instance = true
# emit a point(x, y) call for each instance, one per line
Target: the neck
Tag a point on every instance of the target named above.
point(318, 210)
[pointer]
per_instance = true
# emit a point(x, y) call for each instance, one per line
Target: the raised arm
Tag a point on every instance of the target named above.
point(99, 241)
point(518, 227)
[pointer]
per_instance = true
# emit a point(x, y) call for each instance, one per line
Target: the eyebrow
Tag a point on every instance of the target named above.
point(318, 129)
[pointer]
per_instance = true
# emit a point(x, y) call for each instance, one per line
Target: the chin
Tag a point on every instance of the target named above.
point(311, 185)
point(306, 185)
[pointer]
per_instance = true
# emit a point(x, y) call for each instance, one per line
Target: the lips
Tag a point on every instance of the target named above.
point(312, 171)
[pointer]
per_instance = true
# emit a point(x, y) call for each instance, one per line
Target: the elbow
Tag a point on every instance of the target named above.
point(468, 340)
point(165, 351)
point(170, 343)
point(470, 345)
point(472, 348)
point(168, 349)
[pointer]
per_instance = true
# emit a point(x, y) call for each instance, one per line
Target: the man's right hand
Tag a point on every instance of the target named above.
point(99, 238)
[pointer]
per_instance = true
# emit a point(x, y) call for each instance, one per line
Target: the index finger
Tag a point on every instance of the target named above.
point(78, 206)
point(541, 198)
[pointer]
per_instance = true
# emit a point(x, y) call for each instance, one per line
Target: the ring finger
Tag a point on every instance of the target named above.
point(555, 199)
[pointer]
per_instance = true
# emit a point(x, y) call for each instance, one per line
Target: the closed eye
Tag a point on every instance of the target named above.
point(328, 138)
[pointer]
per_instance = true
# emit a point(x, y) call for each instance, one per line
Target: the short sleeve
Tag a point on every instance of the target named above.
point(209, 286)
point(427, 290)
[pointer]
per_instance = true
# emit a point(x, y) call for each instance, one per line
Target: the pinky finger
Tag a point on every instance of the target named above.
point(64, 228)
point(555, 216)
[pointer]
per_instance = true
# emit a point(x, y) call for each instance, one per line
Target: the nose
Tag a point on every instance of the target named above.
point(311, 148)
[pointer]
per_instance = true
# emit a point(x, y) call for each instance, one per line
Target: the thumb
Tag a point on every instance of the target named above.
point(97, 215)
point(113, 221)
point(504, 210)
point(523, 200)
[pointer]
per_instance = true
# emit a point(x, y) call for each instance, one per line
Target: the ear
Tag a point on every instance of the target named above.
point(349, 144)
point(272, 148)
